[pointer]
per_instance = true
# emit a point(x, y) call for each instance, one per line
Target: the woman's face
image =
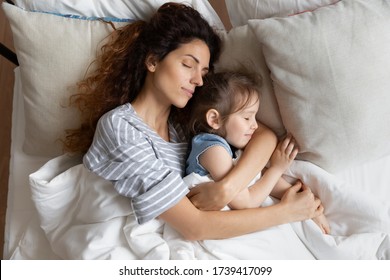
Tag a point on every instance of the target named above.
point(173, 79)
point(240, 126)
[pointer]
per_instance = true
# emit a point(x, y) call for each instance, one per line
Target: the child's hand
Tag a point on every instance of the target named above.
point(284, 154)
point(322, 222)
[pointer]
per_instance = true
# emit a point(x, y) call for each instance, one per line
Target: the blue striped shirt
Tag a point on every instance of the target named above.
point(141, 165)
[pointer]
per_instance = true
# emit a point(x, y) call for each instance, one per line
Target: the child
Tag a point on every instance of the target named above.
point(222, 119)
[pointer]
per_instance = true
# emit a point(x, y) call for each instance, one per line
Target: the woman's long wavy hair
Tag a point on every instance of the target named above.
point(120, 69)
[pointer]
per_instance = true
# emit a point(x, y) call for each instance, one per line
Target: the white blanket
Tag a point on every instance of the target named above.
point(84, 218)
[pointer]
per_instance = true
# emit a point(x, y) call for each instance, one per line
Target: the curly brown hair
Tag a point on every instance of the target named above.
point(120, 68)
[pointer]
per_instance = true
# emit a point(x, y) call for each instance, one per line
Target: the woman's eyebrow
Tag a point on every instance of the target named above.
point(193, 57)
point(196, 60)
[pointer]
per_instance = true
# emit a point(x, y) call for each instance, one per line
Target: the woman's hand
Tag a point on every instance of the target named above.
point(284, 154)
point(209, 196)
point(301, 203)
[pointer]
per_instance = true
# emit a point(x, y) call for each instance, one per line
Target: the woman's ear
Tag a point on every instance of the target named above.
point(151, 63)
point(213, 119)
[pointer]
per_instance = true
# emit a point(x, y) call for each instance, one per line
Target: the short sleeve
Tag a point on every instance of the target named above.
point(199, 144)
point(135, 167)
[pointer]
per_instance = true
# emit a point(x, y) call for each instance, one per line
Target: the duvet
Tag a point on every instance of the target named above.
point(83, 217)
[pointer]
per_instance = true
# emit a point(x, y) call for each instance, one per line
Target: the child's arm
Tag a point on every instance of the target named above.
point(215, 195)
point(282, 186)
point(281, 159)
point(217, 161)
point(255, 195)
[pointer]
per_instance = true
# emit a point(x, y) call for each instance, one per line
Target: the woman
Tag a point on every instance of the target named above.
point(131, 105)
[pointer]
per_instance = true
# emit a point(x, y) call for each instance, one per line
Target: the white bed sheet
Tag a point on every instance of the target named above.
point(24, 239)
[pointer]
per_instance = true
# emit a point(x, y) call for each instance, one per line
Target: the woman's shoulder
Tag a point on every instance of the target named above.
point(122, 114)
point(118, 112)
point(122, 122)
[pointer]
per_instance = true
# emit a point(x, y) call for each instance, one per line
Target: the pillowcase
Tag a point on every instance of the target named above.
point(331, 74)
point(54, 53)
point(134, 9)
point(240, 51)
point(241, 11)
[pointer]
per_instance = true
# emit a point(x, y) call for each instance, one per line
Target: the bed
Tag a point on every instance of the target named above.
point(325, 69)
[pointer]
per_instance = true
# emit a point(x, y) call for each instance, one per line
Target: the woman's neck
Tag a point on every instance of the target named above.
point(153, 113)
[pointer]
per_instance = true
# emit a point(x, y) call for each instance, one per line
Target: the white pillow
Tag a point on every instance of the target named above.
point(240, 50)
point(134, 9)
point(54, 53)
point(331, 73)
point(243, 10)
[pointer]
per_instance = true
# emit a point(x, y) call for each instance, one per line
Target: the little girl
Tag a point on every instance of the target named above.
point(222, 119)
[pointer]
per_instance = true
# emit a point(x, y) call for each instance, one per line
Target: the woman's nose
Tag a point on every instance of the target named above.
point(197, 79)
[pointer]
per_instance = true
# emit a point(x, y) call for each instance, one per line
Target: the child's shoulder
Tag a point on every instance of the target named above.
point(208, 137)
point(204, 141)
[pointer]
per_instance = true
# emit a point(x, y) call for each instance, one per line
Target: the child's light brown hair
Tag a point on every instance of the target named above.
point(226, 92)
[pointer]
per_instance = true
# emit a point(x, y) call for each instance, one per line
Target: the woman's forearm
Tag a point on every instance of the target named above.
point(201, 225)
point(245, 221)
point(298, 203)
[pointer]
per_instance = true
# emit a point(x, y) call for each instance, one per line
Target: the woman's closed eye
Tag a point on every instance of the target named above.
point(188, 62)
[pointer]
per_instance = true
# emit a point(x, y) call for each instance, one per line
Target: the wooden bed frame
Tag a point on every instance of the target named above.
point(8, 62)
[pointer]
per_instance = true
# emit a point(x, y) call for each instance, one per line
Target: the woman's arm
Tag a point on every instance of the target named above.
point(215, 195)
point(195, 224)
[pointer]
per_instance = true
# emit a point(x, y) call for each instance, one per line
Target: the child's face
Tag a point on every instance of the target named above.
point(240, 126)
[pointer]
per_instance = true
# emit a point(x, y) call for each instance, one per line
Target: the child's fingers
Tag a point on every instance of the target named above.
point(294, 153)
point(286, 141)
point(290, 147)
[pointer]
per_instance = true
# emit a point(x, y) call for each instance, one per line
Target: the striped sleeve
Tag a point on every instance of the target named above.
point(127, 157)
